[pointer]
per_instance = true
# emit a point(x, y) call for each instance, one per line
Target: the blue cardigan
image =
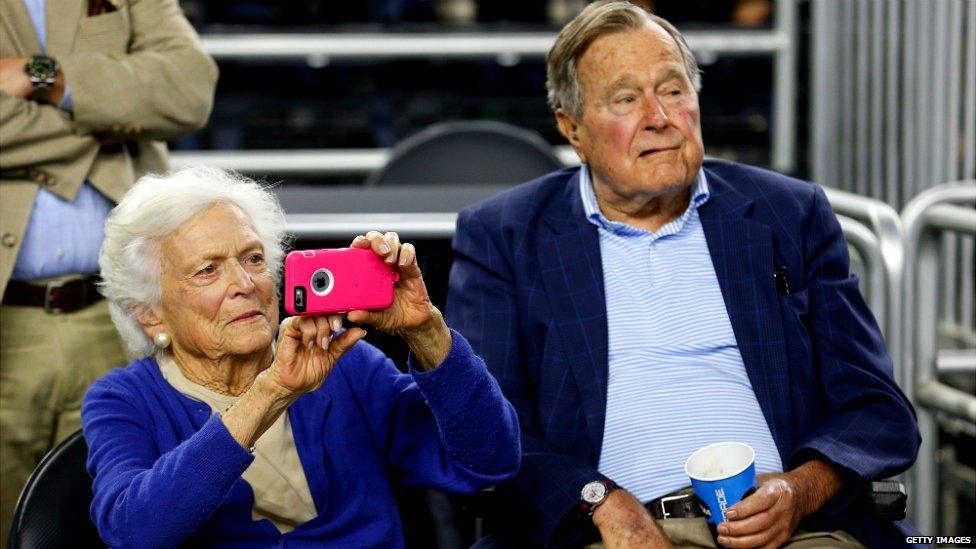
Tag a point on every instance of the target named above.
point(167, 472)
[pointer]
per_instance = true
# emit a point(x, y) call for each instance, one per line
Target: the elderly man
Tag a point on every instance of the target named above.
point(89, 92)
point(648, 303)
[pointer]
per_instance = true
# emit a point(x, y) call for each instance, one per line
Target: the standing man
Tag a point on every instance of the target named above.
point(89, 92)
point(647, 303)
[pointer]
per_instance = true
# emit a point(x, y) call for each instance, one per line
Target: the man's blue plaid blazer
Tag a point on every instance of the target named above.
point(527, 290)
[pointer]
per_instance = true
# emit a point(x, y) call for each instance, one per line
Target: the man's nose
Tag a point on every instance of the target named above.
point(655, 116)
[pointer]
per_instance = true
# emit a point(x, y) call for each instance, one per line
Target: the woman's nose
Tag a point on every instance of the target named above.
point(242, 279)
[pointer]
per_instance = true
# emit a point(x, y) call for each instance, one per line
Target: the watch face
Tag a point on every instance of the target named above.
point(594, 492)
point(41, 67)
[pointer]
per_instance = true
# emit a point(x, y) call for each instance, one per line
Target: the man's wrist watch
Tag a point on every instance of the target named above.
point(594, 493)
point(43, 73)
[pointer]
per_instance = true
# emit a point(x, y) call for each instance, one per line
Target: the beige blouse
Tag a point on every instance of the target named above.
point(276, 476)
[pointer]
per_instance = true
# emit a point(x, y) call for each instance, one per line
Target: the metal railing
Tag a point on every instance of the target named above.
point(886, 226)
point(307, 161)
point(923, 219)
point(318, 50)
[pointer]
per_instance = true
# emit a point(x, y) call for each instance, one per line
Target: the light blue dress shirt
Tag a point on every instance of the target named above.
point(62, 237)
point(676, 379)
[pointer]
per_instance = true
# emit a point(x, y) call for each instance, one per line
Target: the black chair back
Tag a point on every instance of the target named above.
point(472, 152)
point(53, 507)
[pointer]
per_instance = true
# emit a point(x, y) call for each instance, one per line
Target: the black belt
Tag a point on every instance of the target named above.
point(58, 296)
point(682, 504)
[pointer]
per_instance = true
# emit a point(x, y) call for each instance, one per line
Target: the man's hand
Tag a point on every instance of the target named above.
point(13, 80)
point(768, 517)
point(624, 522)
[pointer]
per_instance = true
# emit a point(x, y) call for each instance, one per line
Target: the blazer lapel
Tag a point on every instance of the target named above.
point(572, 273)
point(742, 254)
point(63, 18)
point(17, 26)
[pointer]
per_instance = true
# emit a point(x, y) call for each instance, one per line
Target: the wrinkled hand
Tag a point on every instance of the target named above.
point(411, 305)
point(623, 522)
point(768, 517)
point(306, 351)
point(13, 80)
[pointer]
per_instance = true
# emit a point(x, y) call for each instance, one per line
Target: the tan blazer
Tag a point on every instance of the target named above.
point(138, 77)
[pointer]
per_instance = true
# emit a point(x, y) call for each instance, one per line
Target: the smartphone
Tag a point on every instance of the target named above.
point(337, 280)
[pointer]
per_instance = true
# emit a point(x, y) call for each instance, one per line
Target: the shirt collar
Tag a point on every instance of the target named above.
point(699, 195)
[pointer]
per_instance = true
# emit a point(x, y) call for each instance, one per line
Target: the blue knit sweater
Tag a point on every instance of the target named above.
point(167, 472)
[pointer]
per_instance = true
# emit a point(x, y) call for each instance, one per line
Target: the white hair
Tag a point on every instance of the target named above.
point(156, 206)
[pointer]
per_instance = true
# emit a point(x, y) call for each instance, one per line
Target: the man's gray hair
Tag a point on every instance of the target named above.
point(156, 206)
point(597, 19)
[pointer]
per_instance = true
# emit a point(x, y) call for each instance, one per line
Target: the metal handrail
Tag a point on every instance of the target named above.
point(886, 224)
point(307, 161)
point(922, 219)
point(470, 45)
point(869, 247)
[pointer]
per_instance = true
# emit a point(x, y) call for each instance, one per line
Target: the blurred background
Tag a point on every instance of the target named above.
point(873, 99)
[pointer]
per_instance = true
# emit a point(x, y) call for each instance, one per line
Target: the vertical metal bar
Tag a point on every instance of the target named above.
point(968, 270)
point(784, 89)
point(969, 89)
point(876, 155)
point(846, 72)
point(861, 95)
point(939, 11)
point(953, 84)
point(909, 74)
point(823, 128)
point(893, 107)
point(923, 99)
point(926, 305)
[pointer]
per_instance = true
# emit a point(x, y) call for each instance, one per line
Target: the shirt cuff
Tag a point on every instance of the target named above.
point(66, 101)
point(457, 365)
point(225, 459)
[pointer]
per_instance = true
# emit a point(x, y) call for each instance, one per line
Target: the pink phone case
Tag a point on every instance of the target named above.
point(337, 280)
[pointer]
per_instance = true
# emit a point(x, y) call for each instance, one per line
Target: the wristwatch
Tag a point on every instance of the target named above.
point(43, 73)
point(594, 493)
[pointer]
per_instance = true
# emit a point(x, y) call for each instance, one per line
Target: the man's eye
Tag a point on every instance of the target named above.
point(626, 99)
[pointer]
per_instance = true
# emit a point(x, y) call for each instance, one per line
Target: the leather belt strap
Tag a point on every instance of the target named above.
point(681, 504)
point(58, 296)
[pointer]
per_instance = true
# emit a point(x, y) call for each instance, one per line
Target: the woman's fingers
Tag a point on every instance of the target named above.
point(393, 242)
point(323, 331)
point(343, 342)
point(309, 331)
point(408, 255)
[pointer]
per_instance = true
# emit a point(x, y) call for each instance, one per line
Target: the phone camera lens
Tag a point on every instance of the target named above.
point(322, 282)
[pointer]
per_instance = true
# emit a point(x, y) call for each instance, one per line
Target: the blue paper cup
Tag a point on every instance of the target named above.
point(721, 475)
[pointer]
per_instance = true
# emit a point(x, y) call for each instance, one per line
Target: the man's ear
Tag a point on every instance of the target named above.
point(569, 128)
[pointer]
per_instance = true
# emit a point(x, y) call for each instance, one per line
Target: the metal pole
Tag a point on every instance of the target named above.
point(784, 89)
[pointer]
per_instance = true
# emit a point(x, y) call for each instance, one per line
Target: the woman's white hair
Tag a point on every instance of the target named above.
point(156, 206)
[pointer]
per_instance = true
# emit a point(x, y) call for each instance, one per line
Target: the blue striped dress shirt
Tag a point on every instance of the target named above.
point(676, 379)
point(62, 236)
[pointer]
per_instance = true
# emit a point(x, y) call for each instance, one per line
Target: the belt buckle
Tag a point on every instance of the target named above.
point(664, 510)
point(53, 285)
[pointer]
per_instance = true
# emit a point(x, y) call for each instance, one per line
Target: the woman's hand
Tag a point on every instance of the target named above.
point(411, 305)
point(306, 351)
point(411, 316)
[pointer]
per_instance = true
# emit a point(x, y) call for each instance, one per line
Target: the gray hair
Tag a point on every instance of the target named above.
point(597, 19)
point(156, 206)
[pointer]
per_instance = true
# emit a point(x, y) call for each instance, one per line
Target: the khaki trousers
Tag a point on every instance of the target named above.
point(47, 362)
point(693, 533)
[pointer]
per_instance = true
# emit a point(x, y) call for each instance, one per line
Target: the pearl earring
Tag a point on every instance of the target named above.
point(161, 340)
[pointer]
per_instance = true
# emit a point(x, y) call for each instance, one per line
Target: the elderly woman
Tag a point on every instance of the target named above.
point(219, 434)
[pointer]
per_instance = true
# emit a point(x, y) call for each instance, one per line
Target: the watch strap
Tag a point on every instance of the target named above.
point(587, 508)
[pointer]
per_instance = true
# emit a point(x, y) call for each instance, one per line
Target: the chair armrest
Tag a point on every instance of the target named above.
point(886, 500)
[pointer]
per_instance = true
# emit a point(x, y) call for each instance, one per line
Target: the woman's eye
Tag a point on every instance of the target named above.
point(208, 270)
point(256, 259)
